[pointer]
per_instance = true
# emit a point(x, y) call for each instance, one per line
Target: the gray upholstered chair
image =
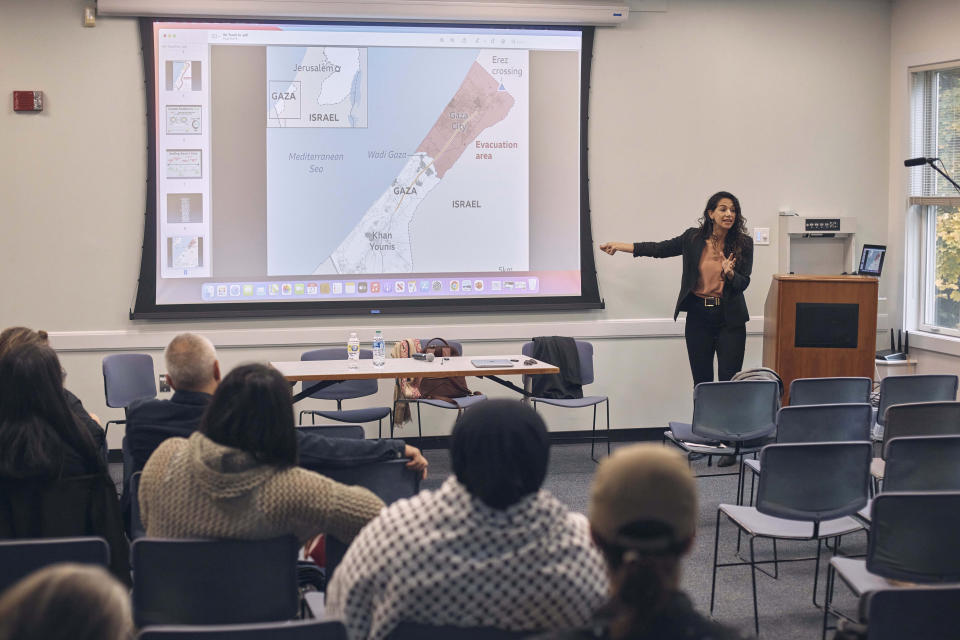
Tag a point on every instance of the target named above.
point(829, 391)
point(808, 491)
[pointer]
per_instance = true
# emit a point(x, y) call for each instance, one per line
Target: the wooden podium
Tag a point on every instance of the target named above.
point(820, 326)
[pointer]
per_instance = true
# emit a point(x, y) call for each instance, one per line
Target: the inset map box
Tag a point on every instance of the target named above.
point(317, 87)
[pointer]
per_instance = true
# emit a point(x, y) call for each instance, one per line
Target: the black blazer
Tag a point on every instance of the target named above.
point(690, 245)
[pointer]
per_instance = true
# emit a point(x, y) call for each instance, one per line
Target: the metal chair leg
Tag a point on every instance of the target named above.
point(716, 545)
point(419, 424)
point(816, 572)
point(753, 580)
point(827, 599)
point(593, 434)
point(608, 426)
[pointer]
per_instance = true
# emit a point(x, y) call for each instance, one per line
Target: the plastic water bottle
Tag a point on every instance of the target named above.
point(379, 350)
point(353, 351)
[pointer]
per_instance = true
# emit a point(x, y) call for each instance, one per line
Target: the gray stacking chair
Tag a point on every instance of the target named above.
point(820, 423)
point(910, 389)
point(916, 419)
point(346, 390)
point(287, 630)
point(459, 404)
point(920, 463)
point(913, 539)
point(919, 612)
point(20, 558)
point(729, 418)
point(585, 356)
point(829, 391)
point(808, 491)
point(196, 582)
point(127, 377)
point(390, 480)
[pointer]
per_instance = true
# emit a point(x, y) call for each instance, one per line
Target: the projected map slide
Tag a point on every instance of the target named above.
point(398, 181)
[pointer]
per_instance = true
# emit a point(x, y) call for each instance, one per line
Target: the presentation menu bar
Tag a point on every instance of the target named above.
point(367, 288)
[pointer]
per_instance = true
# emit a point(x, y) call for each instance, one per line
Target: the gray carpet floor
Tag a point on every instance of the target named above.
point(786, 609)
point(785, 604)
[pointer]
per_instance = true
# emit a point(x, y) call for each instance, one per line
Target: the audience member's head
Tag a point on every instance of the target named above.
point(14, 336)
point(643, 515)
point(66, 601)
point(500, 451)
point(37, 428)
point(252, 410)
point(192, 363)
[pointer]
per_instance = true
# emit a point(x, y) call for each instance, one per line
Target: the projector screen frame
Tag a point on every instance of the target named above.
point(145, 304)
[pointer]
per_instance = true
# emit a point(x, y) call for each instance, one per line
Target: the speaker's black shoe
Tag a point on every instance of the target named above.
point(727, 461)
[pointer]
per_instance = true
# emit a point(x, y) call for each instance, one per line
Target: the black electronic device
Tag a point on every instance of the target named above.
point(871, 260)
point(896, 351)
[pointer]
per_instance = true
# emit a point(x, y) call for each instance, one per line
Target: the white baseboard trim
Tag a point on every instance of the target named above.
point(146, 340)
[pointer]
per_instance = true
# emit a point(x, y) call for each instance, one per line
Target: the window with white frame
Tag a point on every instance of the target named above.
point(935, 110)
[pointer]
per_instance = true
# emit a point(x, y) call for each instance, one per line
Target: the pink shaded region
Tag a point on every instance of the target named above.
point(475, 106)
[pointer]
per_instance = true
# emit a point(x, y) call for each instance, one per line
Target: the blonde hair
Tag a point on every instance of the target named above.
point(66, 601)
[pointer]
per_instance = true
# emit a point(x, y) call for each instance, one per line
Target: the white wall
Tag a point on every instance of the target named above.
point(922, 32)
point(782, 102)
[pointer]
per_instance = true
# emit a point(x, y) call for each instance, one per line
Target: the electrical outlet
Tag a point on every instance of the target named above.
point(761, 235)
point(163, 386)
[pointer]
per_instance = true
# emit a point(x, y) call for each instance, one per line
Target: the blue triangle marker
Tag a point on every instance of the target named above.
point(502, 88)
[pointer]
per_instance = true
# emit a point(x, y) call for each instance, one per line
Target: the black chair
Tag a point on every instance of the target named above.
point(808, 491)
point(127, 377)
point(585, 357)
point(916, 419)
point(346, 390)
point(804, 391)
point(351, 431)
point(920, 463)
point(913, 539)
point(910, 389)
point(287, 630)
point(895, 614)
point(20, 558)
point(390, 480)
point(459, 404)
point(742, 414)
point(416, 631)
point(66, 508)
point(214, 581)
point(820, 423)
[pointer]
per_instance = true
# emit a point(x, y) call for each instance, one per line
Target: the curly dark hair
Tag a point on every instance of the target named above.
point(737, 237)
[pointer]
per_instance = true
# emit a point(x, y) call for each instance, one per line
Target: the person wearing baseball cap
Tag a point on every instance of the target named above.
point(643, 517)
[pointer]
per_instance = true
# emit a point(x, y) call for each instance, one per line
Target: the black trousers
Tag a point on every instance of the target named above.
point(707, 334)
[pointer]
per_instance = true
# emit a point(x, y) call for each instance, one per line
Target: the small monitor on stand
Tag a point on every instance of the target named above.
point(871, 260)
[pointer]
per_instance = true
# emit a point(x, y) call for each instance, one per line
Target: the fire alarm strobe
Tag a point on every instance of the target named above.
point(28, 100)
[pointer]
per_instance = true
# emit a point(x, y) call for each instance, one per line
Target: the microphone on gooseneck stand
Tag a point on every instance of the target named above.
point(915, 162)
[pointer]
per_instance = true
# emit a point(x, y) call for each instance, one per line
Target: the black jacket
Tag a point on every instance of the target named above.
point(690, 245)
point(151, 421)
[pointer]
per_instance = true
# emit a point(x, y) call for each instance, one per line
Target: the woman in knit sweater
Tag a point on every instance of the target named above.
point(237, 476)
